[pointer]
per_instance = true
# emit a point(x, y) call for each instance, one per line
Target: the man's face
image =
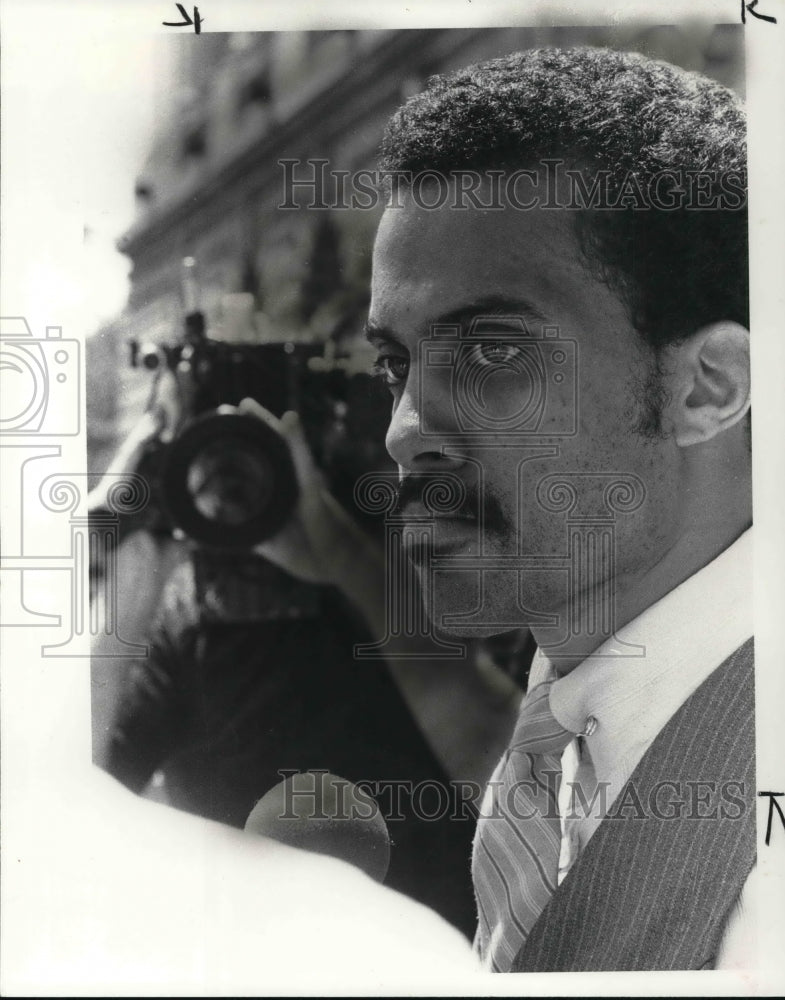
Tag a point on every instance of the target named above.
point(501, 411)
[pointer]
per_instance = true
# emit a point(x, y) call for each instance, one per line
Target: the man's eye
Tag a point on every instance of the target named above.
point(391, 368)
point(495, 353)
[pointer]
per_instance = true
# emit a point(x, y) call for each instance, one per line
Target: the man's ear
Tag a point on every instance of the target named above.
point(709, 382)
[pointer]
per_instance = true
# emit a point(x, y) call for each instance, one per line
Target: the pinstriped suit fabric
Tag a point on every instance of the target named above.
point(653, 892)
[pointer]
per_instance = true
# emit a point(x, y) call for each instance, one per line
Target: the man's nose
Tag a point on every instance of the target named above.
point(415, 443)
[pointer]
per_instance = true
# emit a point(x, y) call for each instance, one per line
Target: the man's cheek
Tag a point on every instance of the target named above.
point(447, 593)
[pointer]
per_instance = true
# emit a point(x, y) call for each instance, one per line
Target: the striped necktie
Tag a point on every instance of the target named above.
point(515, 858)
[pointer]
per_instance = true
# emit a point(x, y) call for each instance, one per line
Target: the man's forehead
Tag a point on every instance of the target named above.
point(432, 262)
point(411, 233)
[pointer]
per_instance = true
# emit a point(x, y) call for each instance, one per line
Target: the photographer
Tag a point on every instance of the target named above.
point(251, 671)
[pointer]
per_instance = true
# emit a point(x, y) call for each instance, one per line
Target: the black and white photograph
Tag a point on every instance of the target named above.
point(382, 612)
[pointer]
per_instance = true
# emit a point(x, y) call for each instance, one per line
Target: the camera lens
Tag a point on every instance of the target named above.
point(149, 357)
point(231, 484)
point(228, 480)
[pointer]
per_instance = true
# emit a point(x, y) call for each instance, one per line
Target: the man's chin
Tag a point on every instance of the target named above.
point(461, 604)
point(454, 607)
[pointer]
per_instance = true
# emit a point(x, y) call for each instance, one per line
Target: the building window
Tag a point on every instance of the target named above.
point(194, 143)
point(143, 190)
point(255, 92)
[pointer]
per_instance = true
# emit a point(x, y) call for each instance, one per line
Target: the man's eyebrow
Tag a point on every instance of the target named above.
point(373, 332)
point(493, 305)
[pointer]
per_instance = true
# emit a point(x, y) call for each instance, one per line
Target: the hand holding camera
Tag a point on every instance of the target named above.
point(310, 545)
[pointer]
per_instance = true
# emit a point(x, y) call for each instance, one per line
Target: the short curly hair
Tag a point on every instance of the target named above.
point(616, 112)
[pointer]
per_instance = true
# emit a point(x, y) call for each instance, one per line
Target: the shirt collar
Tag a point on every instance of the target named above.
point(684, 637)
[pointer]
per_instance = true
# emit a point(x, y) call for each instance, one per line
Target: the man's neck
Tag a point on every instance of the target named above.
point(634, 593)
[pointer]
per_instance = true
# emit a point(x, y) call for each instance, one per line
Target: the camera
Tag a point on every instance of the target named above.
point(226, 479)
point(43, 398)
point(502, 379)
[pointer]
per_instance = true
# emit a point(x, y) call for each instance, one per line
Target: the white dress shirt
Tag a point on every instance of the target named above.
point(684, 637)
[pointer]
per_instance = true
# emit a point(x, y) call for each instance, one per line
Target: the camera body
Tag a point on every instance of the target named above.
point(226, 480)
point(502, 379)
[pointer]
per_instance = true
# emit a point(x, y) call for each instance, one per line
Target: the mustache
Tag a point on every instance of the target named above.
point(447, 494)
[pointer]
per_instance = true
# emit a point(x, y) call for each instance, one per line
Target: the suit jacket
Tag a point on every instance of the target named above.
point(655, 885)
